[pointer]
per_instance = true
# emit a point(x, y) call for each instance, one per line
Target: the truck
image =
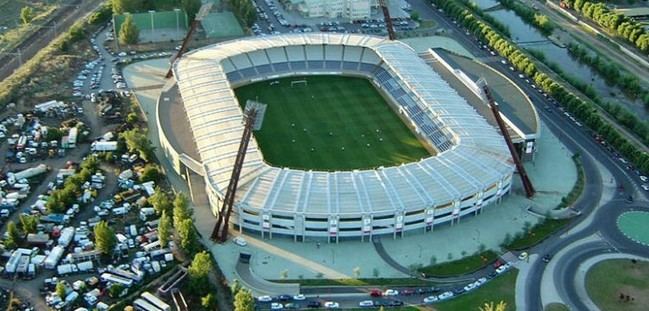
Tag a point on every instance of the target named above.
point(63, 174)
point(38, 239)
point(15, 258)
point(72, 137)
point(58, 219)
point(66, 236)
point(48, 105)
point(13, 178)
point(109, 277)
point(145, 212)
point(66, 269)
point(85, 266)
point(53, 257)
point(22, 142)
point(103, 146)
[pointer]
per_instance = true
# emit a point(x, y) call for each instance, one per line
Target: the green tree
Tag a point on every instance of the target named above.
point(243, 301)
point(151, 172)
point(160, 201)
point(235, 287)
point(414, 16)
point(13, 235)
point(115, 290)
point(501, 306)
point(164, 229)
point(128, 32)
point(198, 273)
point(181, 209)
point(191, 7)
point(132, 118)
point(60, 290)
point(208, 302)
point(26, 15)
point(187, 235)
point(136, 141)
point(28, 223)
point(123, 6)
point(105, 239)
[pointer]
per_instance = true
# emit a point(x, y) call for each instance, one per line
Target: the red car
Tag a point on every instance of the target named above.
point(376, 293)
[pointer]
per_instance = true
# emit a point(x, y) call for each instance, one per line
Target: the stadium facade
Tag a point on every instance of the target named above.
point(471, 169)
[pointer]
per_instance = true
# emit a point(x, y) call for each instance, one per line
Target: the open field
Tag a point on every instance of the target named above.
point(10, 18)
point(607, 280)
point(332, 123)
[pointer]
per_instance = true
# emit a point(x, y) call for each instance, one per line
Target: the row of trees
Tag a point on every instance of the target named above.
point(611, 73)
point(617, 23)
point(583, 110)
point(621, 115)
point(245, 10)
point(540, 21)
point(182, 220)
point(62, 198)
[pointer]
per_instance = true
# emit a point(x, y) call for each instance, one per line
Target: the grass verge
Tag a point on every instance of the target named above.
point(500, 288)
point(537, 233)
point(578, 187)
point(556, 307)
point(462, 266)
point(609, 283)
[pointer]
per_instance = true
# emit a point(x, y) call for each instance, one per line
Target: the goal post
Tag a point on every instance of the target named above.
point(299, 83)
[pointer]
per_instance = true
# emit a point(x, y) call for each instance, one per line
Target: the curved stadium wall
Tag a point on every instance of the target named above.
point(472, 167)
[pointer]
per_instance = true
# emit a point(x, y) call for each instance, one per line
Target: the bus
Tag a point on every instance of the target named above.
point(157, 302)
point(142, 305)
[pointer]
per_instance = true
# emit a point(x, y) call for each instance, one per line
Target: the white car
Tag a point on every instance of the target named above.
point(445, 295)
point(430, 299)
point(276, 306)
point(264, 298)
point(240, 241)
point(643, 178)
point(366, 303)
point(645, 187)
point(522, 256)
point(331, 305)
point(299, 297)
point(470, 287)
point(481, 281)
point(391, 292)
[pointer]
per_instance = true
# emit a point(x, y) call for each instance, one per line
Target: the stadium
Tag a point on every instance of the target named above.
point(361, 137)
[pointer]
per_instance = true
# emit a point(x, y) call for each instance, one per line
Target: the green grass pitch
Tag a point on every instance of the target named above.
point(332, 123)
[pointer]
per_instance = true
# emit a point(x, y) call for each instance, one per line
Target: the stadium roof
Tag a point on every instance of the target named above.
point(477, 159)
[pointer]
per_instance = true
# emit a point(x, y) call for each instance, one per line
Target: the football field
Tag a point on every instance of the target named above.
point(331, 123)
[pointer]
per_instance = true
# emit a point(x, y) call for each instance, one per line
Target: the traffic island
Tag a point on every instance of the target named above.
point(634, 226)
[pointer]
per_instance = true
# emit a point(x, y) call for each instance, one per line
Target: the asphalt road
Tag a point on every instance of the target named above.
point(578, 139)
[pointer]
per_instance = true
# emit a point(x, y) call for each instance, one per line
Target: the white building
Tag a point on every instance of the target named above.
point(352, 9)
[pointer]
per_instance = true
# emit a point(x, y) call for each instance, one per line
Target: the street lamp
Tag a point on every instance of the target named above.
point(152, 25)
point(177, 10)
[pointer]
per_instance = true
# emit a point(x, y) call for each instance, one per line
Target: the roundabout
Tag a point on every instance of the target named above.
point(633, 226)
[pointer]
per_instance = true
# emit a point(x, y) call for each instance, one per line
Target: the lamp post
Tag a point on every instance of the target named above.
point(177, 19)
point(152, 24)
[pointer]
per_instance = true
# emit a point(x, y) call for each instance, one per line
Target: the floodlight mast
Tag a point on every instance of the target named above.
point(388, 20)
point(202, 12)
point(253, 117)
point(527, 183)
